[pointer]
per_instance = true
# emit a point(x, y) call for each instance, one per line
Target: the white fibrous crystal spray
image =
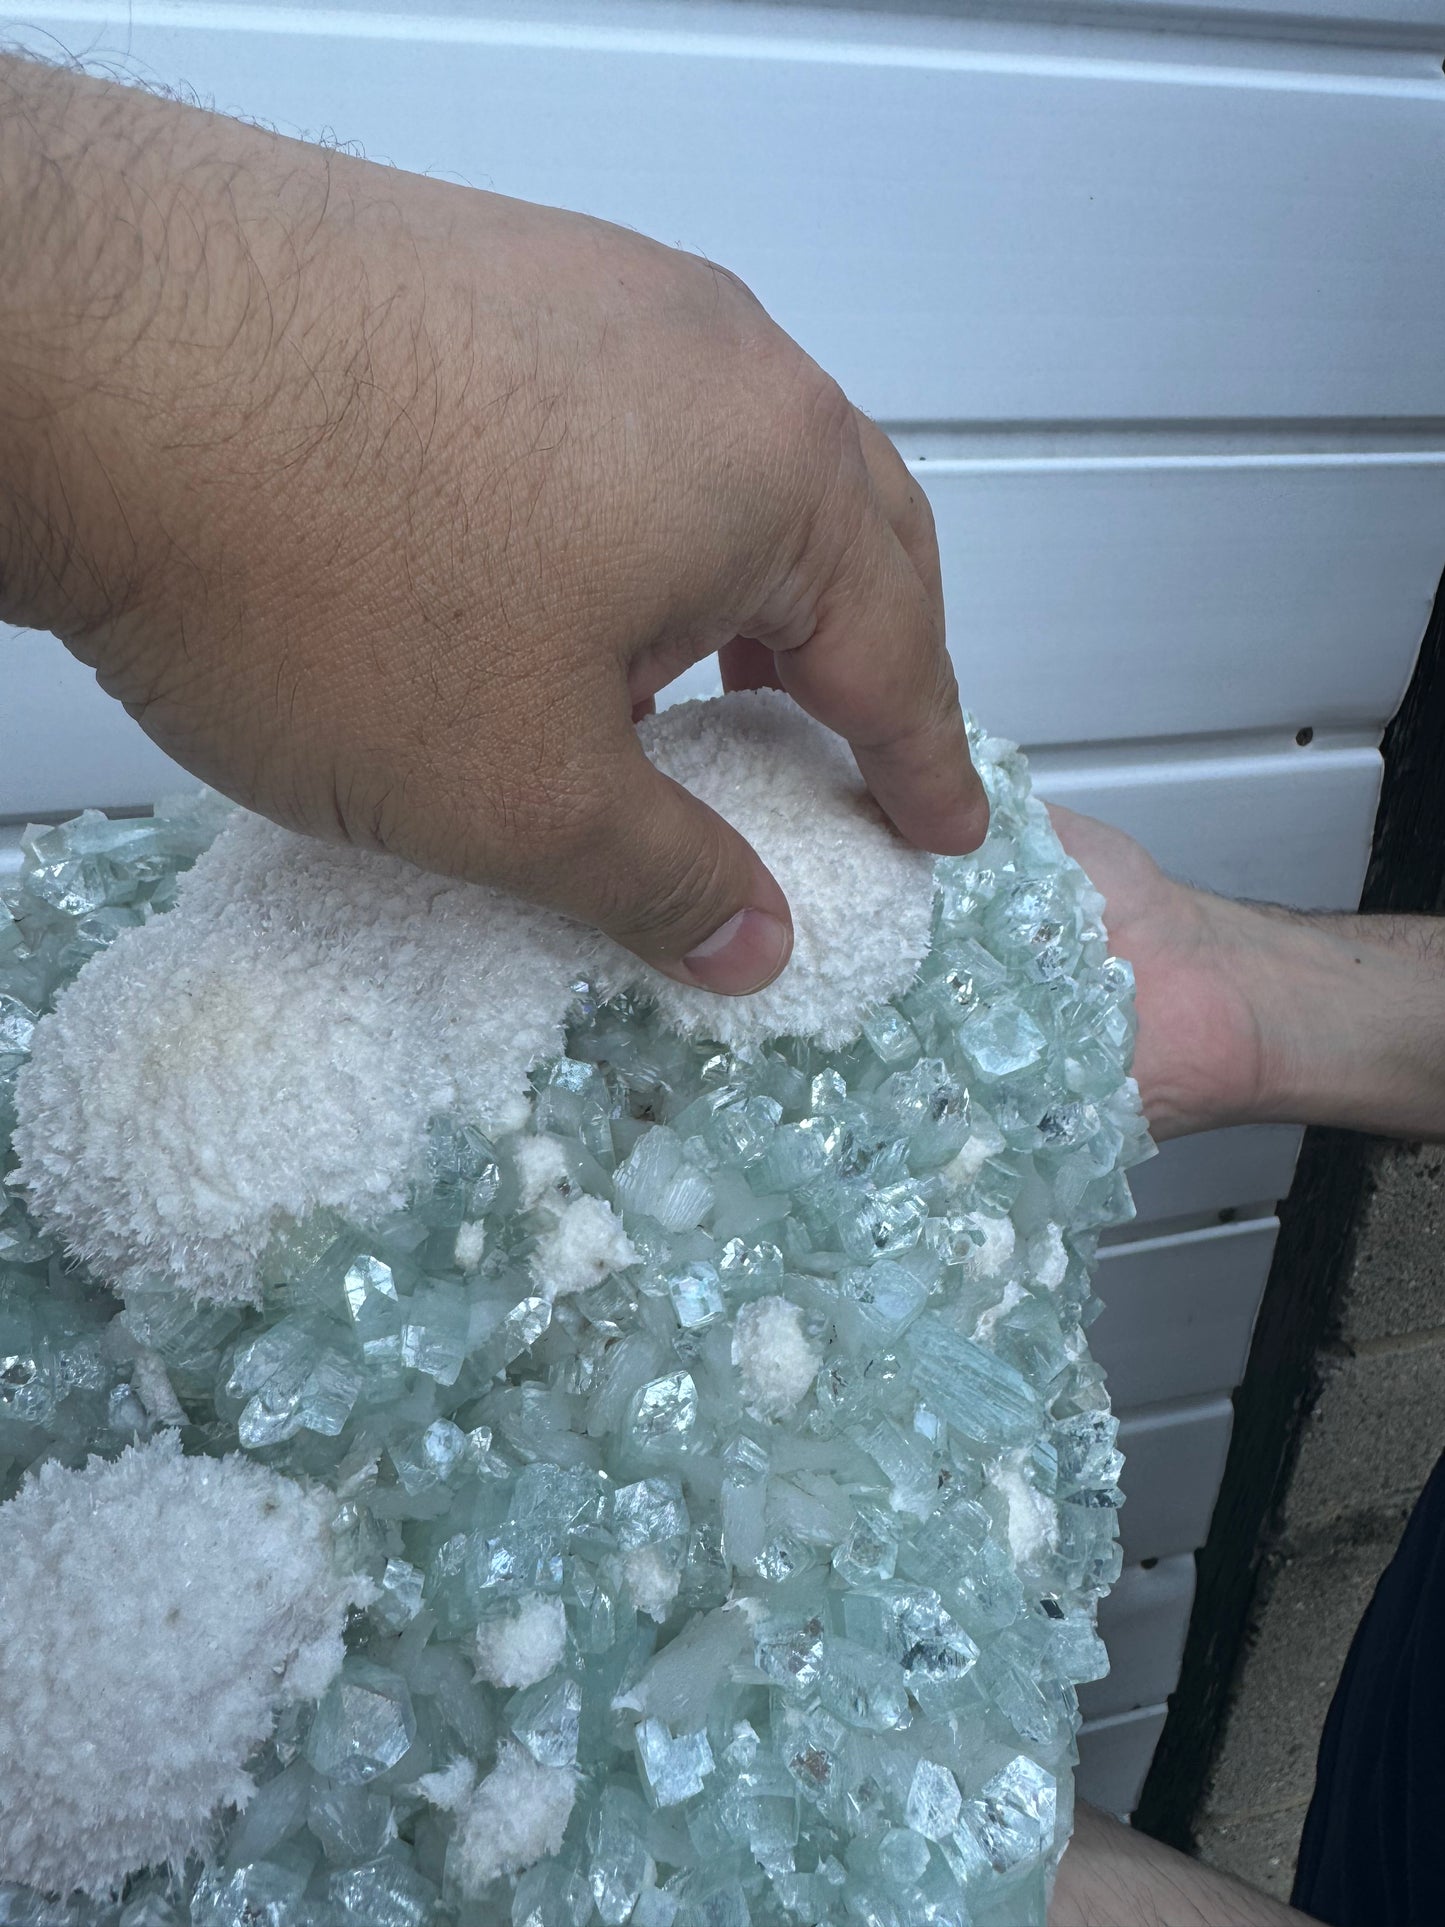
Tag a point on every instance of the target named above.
point(158, 1612)
point(523, 1644)
point(290, 1029)
point(696, 1390)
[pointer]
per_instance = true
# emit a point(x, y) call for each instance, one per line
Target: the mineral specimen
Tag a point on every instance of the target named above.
point(707, 1422)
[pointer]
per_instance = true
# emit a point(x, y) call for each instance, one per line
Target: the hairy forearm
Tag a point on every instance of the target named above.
point(1113, 1877)
point(154, 305)
point(1351, 1017)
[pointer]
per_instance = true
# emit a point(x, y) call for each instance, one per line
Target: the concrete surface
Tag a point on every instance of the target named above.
point(1371, 1440)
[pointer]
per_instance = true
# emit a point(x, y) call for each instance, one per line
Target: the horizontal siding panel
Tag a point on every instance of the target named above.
point(1114, 1758)
point(1415, 23)
point(1174, 1460)
point(1179, 1312)
point(988, 234)
point(1248, 1164)
point(1132, 599)
point(1143, 1622)
point(67, 745)
point(1287, 826)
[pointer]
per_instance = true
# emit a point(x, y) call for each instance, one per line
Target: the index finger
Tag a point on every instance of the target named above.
point(875, 666)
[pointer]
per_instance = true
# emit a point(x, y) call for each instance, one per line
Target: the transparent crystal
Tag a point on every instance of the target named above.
point(863, 1689)
point(260, 1895)
point(17, 1027)
point(673, 1767)
point(434, 1332)
point(352, 1823)
point(388, 1893)
point(546, 1719)
point(696, 1295)
point(663, 1411)
point(975, 1391)
point(892, 1037)
point(934, 1801)
point(1012, 1821)
point(620, 1864)
point(658, 1181)
point(550, 1895)
point(364, 1724)
point(649, 1513)
point(365, 1279)
point(298, 1381)
point(401, 1593)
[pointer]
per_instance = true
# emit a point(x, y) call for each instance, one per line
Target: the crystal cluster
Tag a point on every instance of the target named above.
point(718, 1452)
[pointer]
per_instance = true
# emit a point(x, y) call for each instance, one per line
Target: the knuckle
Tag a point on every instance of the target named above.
point(677, 906)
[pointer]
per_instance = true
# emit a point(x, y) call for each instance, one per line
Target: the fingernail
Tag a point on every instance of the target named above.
point(747, 952)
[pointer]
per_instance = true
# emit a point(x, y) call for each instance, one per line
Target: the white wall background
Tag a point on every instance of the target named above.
point(1152, 300)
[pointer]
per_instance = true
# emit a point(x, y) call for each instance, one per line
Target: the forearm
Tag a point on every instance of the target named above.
point(154, 304)
point(1351, 1018)
point(1113, 1877)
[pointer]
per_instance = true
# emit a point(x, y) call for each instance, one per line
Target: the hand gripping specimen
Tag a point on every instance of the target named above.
point(701, 1387)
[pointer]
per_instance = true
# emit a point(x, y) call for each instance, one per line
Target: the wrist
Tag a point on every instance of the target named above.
point(1347, 1021)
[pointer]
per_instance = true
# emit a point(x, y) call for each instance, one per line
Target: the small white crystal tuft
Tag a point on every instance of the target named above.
point(1049, 1257)
point(450, 1787)
point(651, 1580)
point(862, 899)
point(520, 1647)
point(158, 1611)
point(1033, 1517)
point(776, 1359)
point(471, 1244)
point(585, 1244)
point(518, 1814)
point(994, 1252)
point(543, 1173)
point(1014, 1294)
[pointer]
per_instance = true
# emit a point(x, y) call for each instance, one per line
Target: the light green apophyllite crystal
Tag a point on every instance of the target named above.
point(824, 1482)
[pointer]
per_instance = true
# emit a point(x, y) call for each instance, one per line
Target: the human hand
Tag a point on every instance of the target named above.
point(383, 503)
point(1111, 1876)
point(1199, 1058)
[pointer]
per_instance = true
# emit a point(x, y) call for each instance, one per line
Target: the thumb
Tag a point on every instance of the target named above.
point(675, 884)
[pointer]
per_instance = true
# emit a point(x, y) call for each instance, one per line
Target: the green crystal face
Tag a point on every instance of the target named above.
point(828, 1570)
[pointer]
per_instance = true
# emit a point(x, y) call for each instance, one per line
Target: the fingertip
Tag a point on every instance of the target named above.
point(927, 786)
point(961, 830)
point(743, 955)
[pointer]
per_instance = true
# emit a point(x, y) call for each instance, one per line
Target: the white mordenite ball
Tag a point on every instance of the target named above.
point(519, 1647)
point(776, 1360)
point(652, 1581)
point(862, 899)
point(274, 1046)
point(517, 1814)
point(584, 1244)
point(158, 1611)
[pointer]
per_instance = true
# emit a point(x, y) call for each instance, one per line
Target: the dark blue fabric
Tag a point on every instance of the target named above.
point(1373, 1851)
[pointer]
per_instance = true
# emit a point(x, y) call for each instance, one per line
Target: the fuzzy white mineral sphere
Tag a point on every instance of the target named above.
point(776, 1360)
point(862, 899)
point(273, 1047)
point(517, 1814)
point(519, 1647)
point(157, 1611)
